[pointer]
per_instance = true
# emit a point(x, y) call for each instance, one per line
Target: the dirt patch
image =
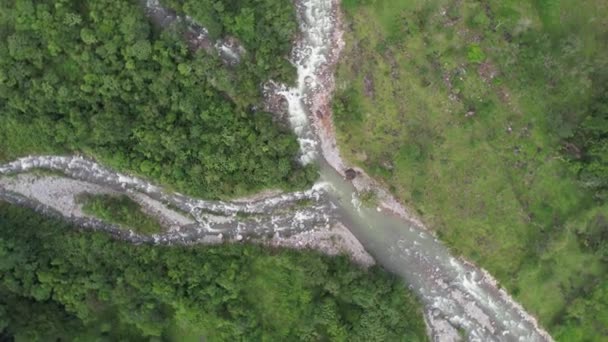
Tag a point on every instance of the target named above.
point(487, 71)
point(368, 85)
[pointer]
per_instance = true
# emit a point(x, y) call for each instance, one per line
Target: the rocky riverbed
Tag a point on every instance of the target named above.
point(278, 218)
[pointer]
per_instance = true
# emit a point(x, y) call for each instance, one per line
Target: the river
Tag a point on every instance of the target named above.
point(460, 299)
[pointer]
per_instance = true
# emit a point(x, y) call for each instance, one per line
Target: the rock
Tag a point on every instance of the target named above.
point(387, 164)
point(283, 105)
point(350, 174)
point(361, 156)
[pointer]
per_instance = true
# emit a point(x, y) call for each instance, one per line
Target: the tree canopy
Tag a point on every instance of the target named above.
point(120, 210)
point(265, 27)
point(96, 77)
point(58, 282)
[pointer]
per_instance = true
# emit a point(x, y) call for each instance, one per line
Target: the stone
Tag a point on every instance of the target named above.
point(350, 174)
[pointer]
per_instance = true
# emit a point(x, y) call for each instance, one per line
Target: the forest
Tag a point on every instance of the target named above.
point(97, 78)
point(58, 282)
point(489, 118)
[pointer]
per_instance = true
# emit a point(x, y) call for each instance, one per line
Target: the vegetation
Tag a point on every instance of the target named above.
point(96, 77)
point(489, 117)
point(266, 28)
point(369, 198)
point(120, 210)
point(59, 283)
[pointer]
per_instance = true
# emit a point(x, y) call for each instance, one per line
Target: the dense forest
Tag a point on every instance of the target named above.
point(61, 283)
point(96, 77)
point(490, 118)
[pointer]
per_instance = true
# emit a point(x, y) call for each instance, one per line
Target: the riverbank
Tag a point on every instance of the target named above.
point(153, 101)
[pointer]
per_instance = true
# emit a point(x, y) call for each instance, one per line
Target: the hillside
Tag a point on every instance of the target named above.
point(488, 118)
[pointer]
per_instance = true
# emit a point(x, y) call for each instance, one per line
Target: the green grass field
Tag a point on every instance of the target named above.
point(461, 108)
point(120, 210)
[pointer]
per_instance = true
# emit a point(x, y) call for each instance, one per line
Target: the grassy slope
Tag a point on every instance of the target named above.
point(120, 210)
point(478, 155)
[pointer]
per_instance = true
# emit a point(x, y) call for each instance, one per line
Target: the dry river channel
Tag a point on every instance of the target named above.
point(462, 301)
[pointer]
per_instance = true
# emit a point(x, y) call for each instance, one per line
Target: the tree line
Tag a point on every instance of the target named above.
point(61, 283)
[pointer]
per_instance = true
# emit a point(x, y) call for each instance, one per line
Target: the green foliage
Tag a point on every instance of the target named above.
point(265, 27)
point(489, 118)
point(548, 11)
point(475, 54)
point(594, 236)
point(353, 4)
point(346, 107)
point(587, 314)
point(369, 198)
point(588, 147)
point(94, 77)
point(66, 284)
point(120, 210)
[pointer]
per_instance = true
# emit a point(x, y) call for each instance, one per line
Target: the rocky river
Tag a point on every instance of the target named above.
point(461, 300)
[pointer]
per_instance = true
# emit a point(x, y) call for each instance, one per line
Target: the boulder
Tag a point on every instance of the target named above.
point(350, 174)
